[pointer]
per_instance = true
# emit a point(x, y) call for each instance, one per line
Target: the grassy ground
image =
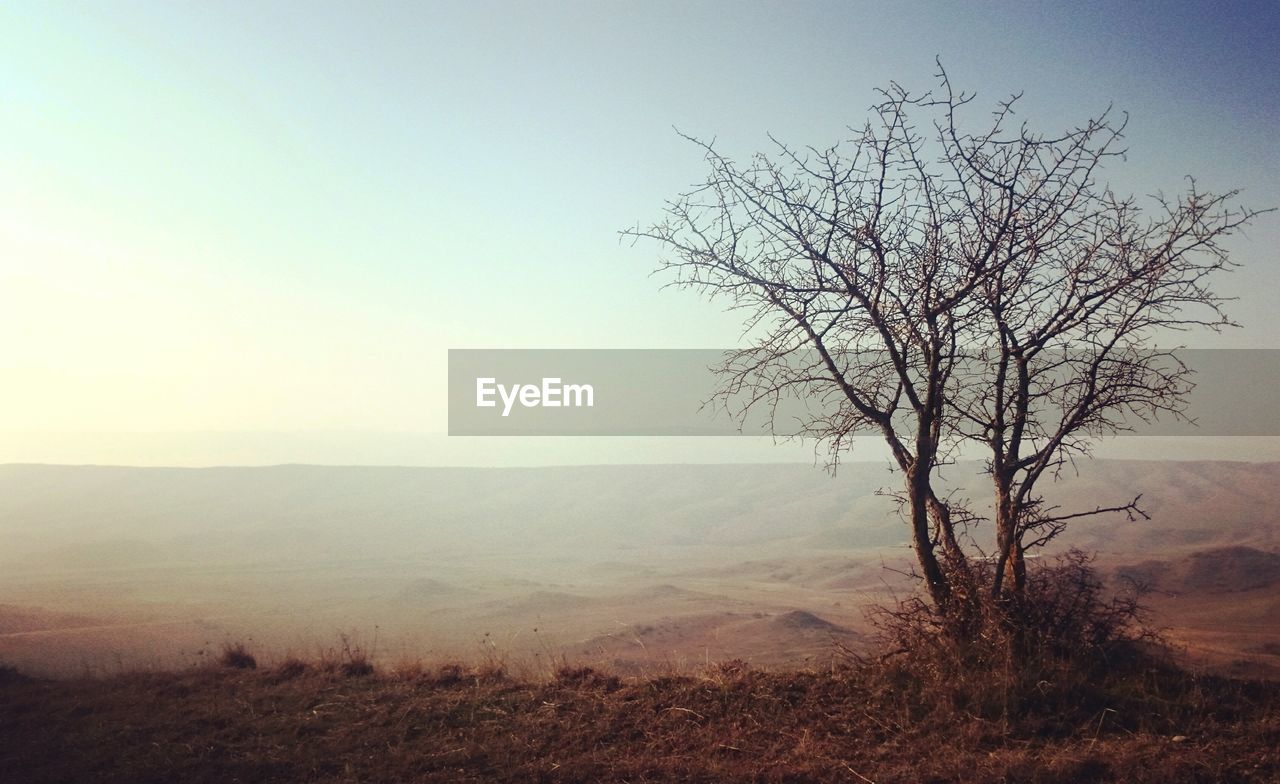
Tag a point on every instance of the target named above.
point(302, 722)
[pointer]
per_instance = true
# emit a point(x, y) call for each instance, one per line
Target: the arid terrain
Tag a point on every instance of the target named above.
point(324, 722)
point(609, 623)
point(637, 569)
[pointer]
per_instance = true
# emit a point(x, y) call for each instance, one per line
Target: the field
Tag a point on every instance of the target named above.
point(316, 723)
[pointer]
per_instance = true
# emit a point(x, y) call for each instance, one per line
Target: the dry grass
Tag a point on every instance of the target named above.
point(303, 722)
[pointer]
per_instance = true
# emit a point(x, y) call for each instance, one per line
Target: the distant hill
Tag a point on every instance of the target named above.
point(1220, 570)
point(80, 515)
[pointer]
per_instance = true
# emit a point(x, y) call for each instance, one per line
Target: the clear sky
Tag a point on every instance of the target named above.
point(277, 217)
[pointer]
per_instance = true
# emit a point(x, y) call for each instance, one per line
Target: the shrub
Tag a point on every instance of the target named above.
point(1051, 651)
point(236, 656)
point(449, 674)
point(357, 663)
point(357, 667)
point(290, 668)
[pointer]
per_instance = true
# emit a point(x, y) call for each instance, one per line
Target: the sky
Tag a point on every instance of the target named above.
point(250, 232)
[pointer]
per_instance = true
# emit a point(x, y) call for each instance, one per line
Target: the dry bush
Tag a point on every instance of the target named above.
point(493, 665)
point(1054, 653)
point(449, 674)
point(350, 659)
point(290, 668)
point(236, 656)
point(357, 665)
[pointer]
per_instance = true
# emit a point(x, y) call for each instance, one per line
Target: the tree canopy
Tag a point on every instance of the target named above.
point(943, 286)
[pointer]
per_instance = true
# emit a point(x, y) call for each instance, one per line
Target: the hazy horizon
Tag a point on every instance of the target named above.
point(329, 448)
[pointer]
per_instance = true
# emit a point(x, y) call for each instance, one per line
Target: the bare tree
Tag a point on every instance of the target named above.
point(941, 287)
point(1075, 316)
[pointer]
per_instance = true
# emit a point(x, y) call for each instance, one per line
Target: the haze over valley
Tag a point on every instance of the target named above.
point(640, 568)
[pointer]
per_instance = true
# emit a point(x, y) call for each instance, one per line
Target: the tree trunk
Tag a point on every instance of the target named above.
point(957, 561)
point(1006, 538)
point(1018, 566)
point(919, 495)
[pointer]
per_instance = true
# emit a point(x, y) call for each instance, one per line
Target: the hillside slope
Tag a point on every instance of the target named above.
point(727, 724)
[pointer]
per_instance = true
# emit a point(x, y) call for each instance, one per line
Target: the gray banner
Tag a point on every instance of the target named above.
point(662, 392)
